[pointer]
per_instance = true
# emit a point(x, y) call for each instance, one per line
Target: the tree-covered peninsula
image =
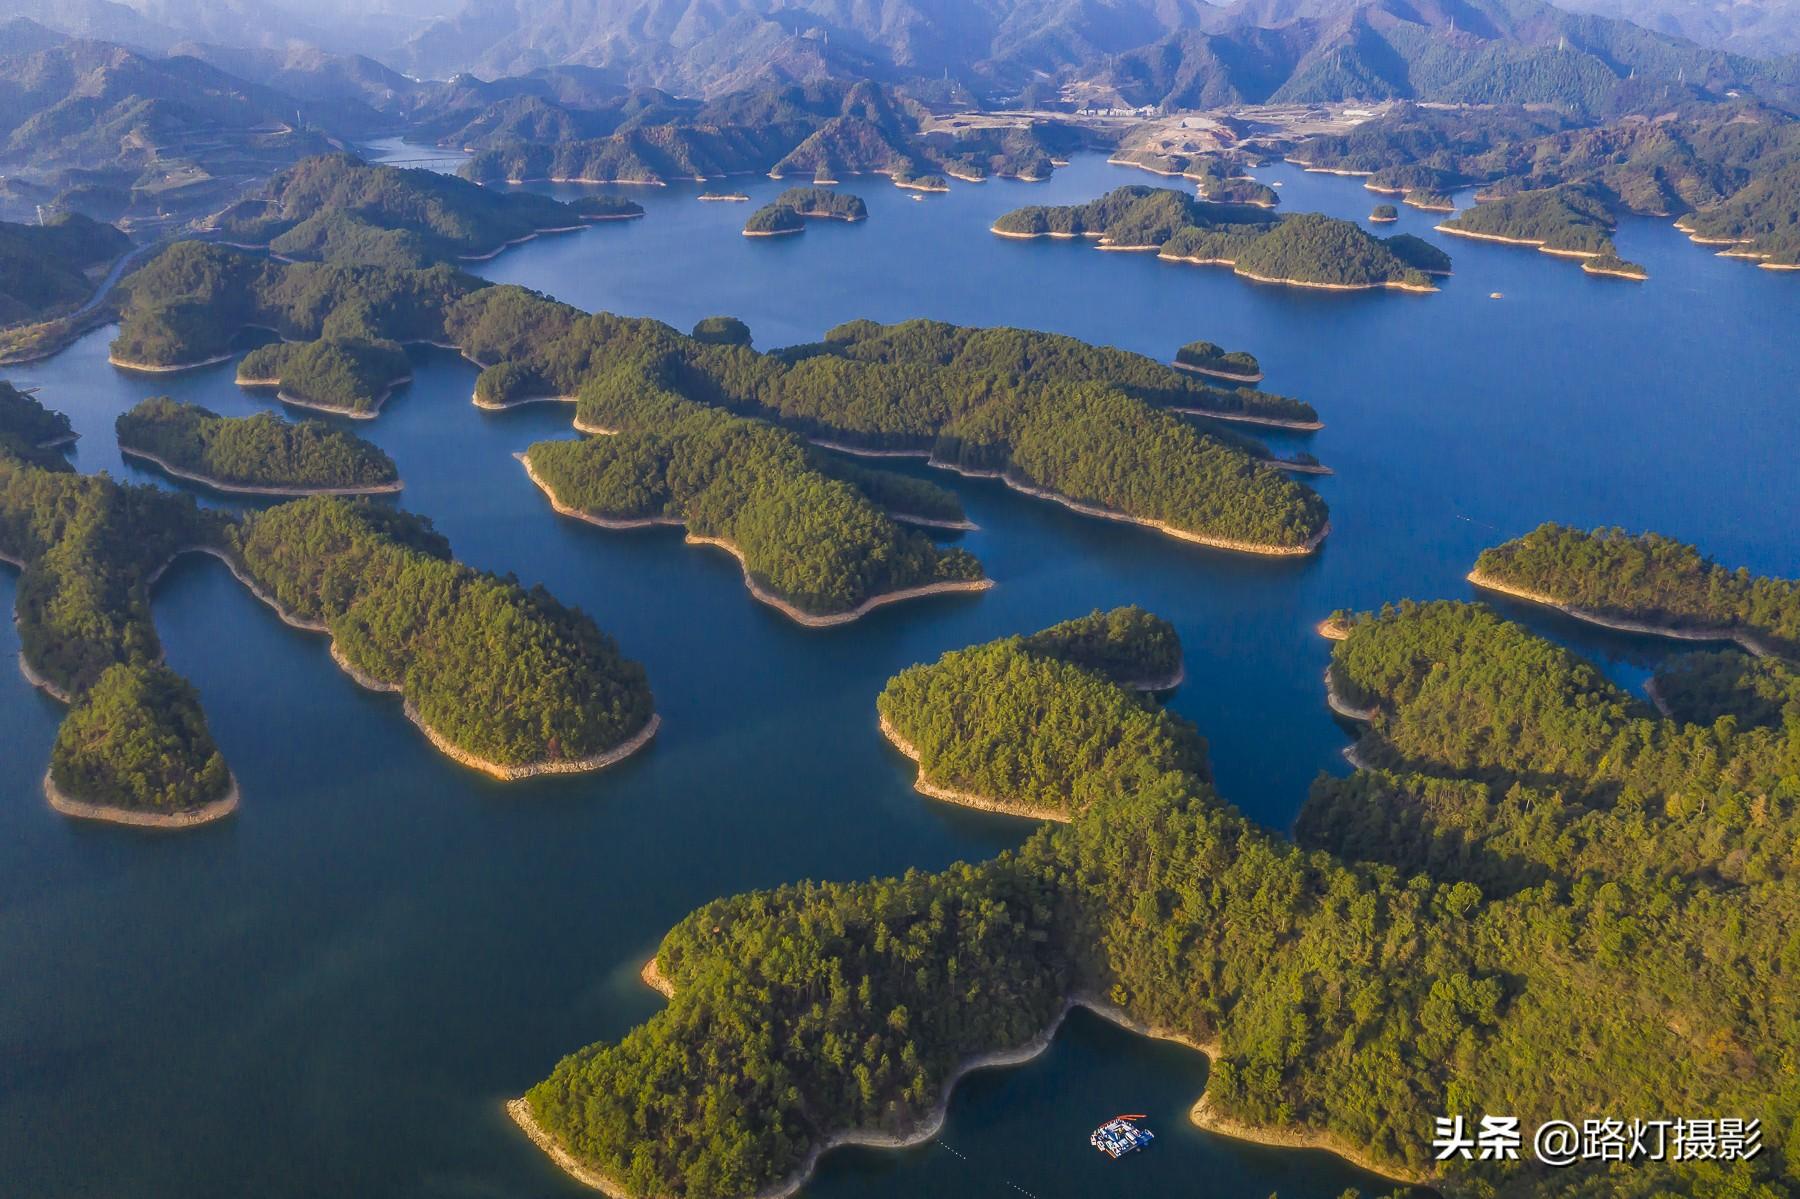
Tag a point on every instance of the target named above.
point(811, 545)
point(1528, 872)
point(1571, 221)
point(502, 678)
point(134, 747)
point(336, 207)
point(1092, 445)
point(348, 376)
point(1645, 582)
point(1303, 249)
point(253, 454)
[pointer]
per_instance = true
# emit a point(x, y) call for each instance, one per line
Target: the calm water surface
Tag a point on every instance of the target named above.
point(332, 992)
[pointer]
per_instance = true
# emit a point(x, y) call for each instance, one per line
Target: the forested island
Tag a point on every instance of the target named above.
point(1645, 583)
point(502, 678)
point(1384, 214)
point(258, 455)
point(1471, 904)
point(338, 207)
point(812, 546)
point(789, 212)
point(1301, 249)
point(1209, 358)
point(1570, 221)
point(347, 376)
point(1058, 424)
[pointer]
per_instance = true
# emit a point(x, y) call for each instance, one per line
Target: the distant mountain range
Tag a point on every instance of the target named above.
point(1146, 51)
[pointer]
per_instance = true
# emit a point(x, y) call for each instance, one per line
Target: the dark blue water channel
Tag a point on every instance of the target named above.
point(333, 992)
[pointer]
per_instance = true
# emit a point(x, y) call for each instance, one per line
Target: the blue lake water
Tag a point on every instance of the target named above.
point(333, 992)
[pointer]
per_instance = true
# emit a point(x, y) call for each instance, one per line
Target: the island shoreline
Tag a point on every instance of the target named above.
point(1745, 640)
point(80, 809)
point(249, 489)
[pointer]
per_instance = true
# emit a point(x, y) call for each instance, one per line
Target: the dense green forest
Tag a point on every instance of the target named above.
point(256, 451)
point(1700, 688)
point(1127, 645)
point(1014, 721)
point(501, 672)
point(901, 495)
point(88, 548)
point(810, 538)
point(1570, 219)
point(1307, 248)
point(1001, 402)
point(1732, 170)
point(137, 740)
point(1648, 578)
point(1384, 214)
point(347, 374)
point(773, 219)
point(44, 268)
point(1495, 895)
point(336, 207)
point(190, 303)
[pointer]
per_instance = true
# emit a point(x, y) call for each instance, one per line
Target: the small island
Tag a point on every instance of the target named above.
point(1206, 358)
point(789, 212)
point(350, 377)
point(921, 183)
point(1384, 214)
point(606, 208)
point(254, 455)
point(719, 197)
point(1299, 250)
